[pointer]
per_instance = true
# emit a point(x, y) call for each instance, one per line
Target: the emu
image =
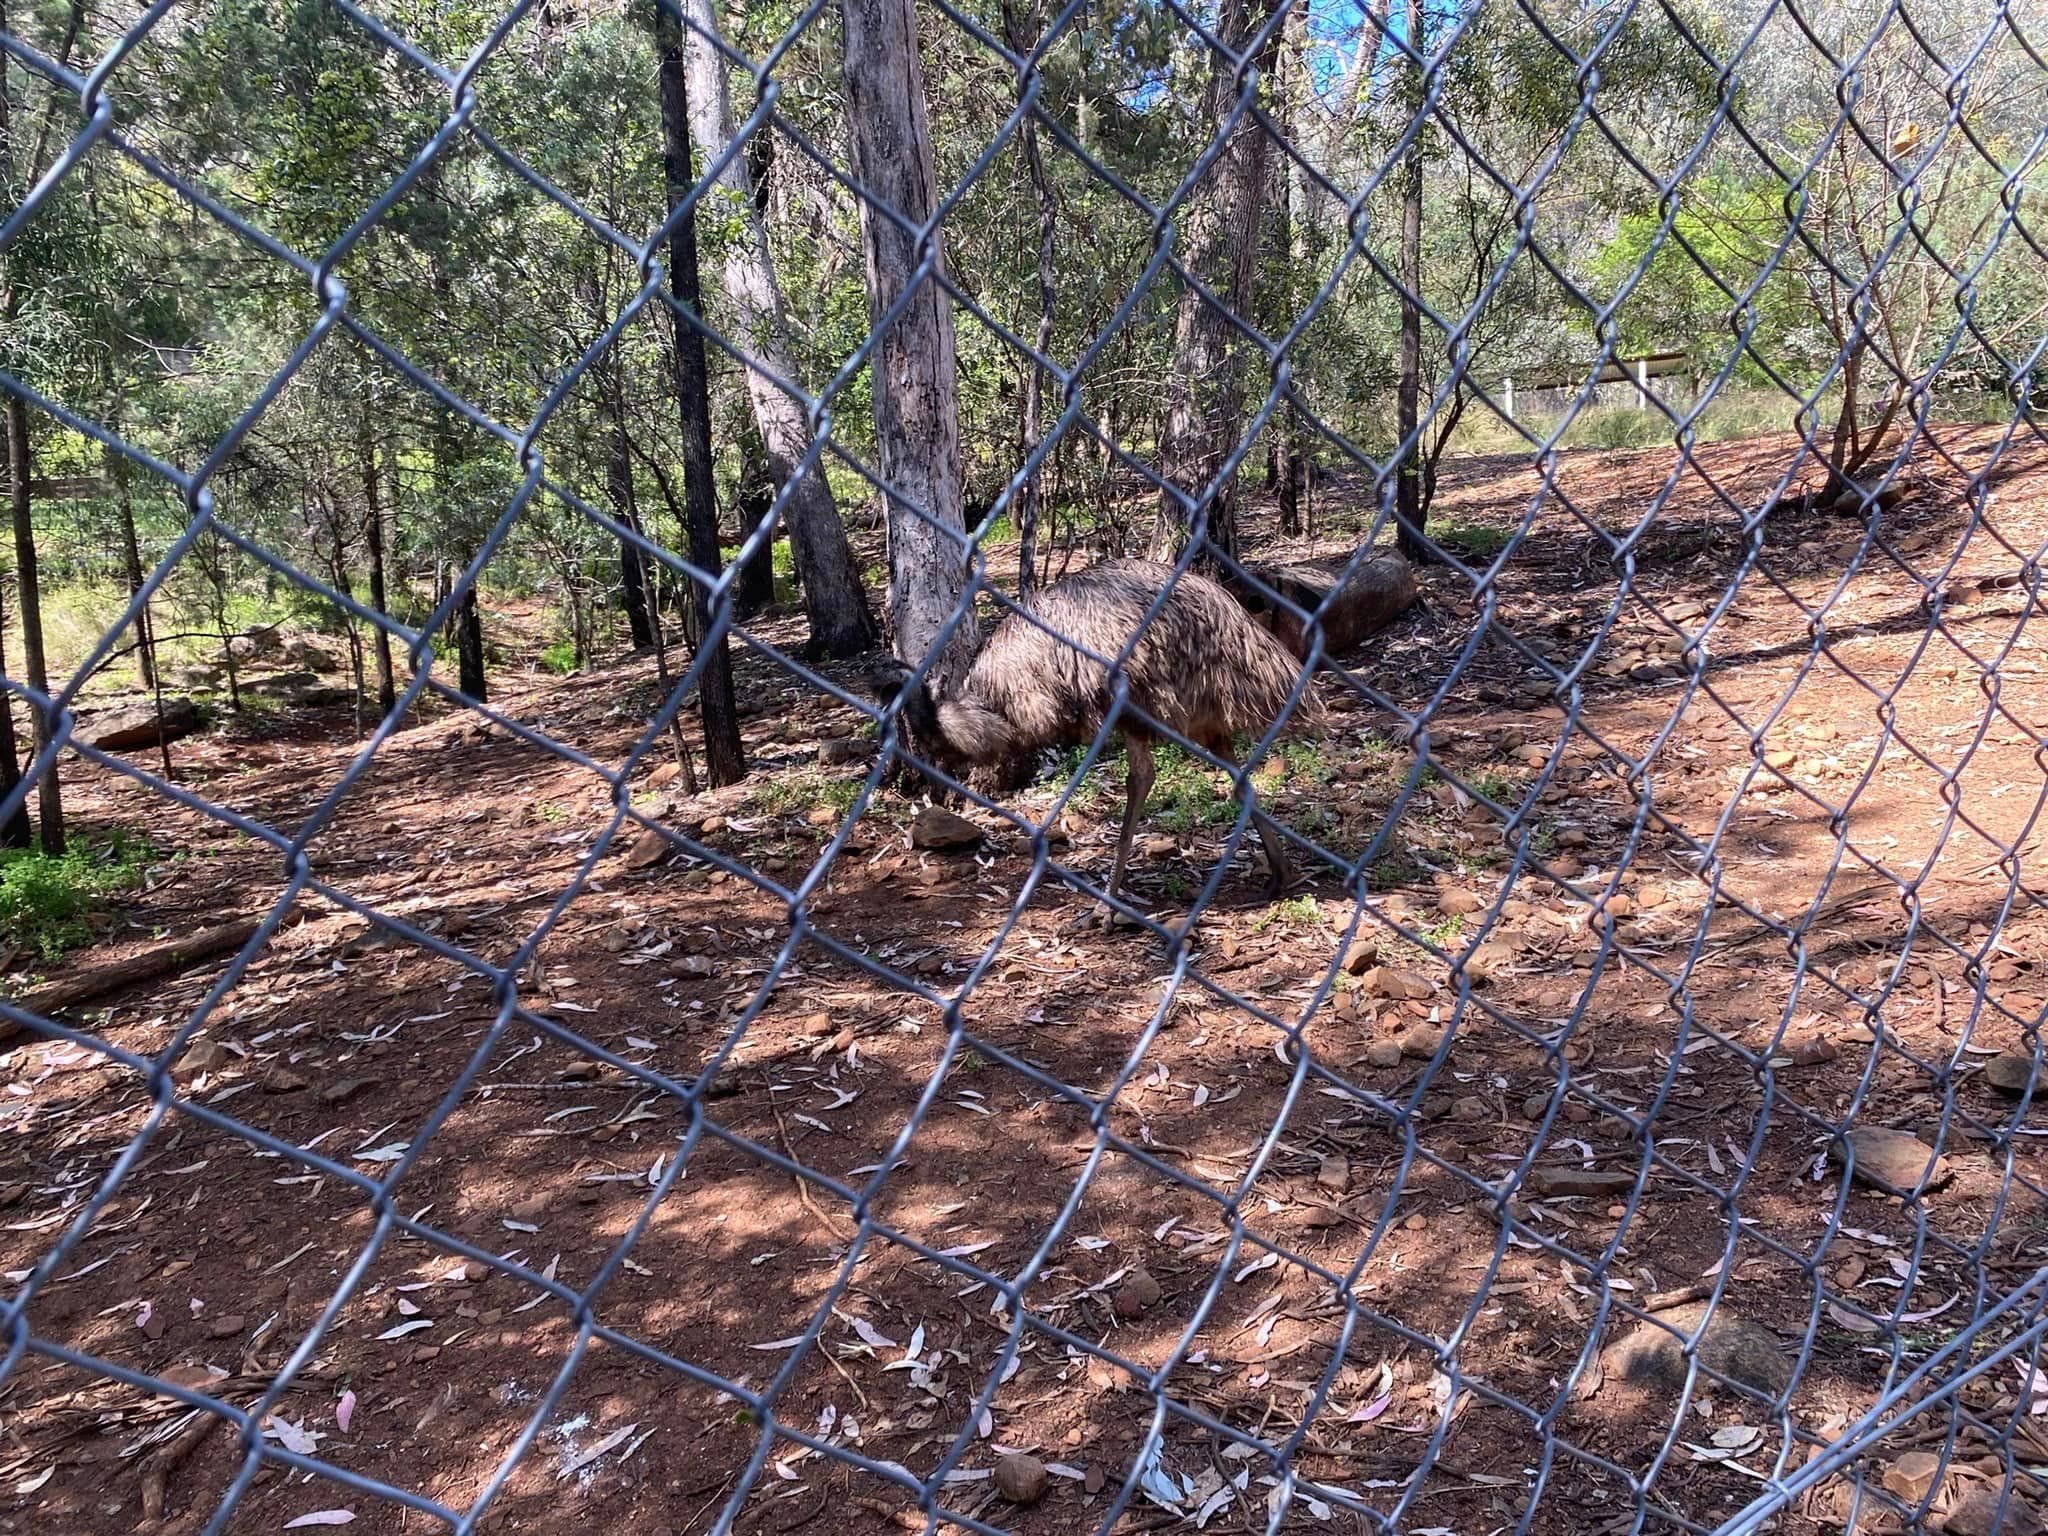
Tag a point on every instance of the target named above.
point(1201, 668)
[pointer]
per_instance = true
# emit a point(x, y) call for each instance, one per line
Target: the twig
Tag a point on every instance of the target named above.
point(803, 1190)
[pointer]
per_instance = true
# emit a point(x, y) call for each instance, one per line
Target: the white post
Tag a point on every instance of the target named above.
point(1643, 382)
point(1508, 389)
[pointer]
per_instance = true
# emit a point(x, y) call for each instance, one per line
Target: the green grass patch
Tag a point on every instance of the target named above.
point(1184, 795)
point(559, 657)
point(1481, 541)
point(803, 789)
point(1301, 911)
point(48, 903)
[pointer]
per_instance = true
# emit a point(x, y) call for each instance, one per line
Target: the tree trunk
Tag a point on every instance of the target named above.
point(118, 476)
point(725, 759)
point(15, 831)
point(373, 538)
point(841, 622)
point(21, 466)
point(1205, 402)
point(1023, 38)
point(755, 494)
point(1409, 512)
point(1291, 240)
point(633, 575)
point(917, 424)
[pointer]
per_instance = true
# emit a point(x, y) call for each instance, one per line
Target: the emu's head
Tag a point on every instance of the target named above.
point(892, 678)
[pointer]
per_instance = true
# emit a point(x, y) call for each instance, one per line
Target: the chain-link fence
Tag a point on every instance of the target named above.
point(1623, 1121)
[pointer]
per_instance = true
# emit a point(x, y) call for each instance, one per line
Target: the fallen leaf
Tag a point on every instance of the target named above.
point(345, 1410)
point(321, 1517)
point(404, 1328)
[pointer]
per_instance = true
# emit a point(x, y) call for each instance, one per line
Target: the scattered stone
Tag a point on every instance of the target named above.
point(283, 1080)
point(1812, 1050)
point(664, 773)
point(1386, 981)
point(343, 1088)
point(1020, 1478)
point(2012, 1072)
point(1421, 1042)
point(648, 849)
point(938, 829)
point(1333, 1173)
point(1912, 1475)
point(1137, 1295)
point(1559, 1183)
point(224, 1327)
point(137, 726)
point(1361, 956)
point(1979, 1514)
point(695, 966)
point(1470, 1108)
point(1488, 961)
point(201, 1057)
point(1383, 1053)
point(1459, 902)
point(1653, 1354)
point(1092, 1480)
point(1896, 1162)
point(841, 751)
point(1536, 1106)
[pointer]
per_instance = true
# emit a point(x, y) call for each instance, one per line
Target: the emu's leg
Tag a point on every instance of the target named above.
point(1279, 866)
point(1138, 776)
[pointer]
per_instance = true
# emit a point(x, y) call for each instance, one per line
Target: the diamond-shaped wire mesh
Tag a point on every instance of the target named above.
point(1625, 1119)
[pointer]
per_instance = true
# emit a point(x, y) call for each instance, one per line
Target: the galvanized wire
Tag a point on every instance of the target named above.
point(1920, 1387)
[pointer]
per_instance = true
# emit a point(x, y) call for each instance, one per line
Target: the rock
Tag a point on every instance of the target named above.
point(1560, 1183)
point(1912, 1475)
point(1333, 1173)
point(1488, 961)
point(125, 729)
point(648, 849)
point(1979, 1514)
point(1535, 1106)
point(1383, 1053)
point(938, 829)
point(2012, 1072)
point(201, 1057)
point(1459, 902)
point(1896, 1162)
point(1387, 981)
point(224, 1327)
point(260, 641)
point(1812, 1050)
point(344, 1088)
point(841, 750)
point(310, 653)
point(1020, 1478)
point(281, 1080)
point(1652, 1354)
point(1421, 1042)
point(1469, 1108)
point(1360, 956)
point(1137, 1295)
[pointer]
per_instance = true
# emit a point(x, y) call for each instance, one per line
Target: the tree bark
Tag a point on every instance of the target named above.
point(15, 831)
point(1290, 207)
point(633, 575)
point(373, 538)
point(755, 494)
point(724, 756)
point(21, 466)
point(1205, 402)
point(917, 424)
point(841, 622)
point(1023, 37)
point(1409, 512)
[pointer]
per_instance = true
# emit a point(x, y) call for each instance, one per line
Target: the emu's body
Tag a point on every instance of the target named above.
point(1201, 669)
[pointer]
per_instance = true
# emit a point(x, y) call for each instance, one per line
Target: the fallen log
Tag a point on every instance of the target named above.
point(159, 960)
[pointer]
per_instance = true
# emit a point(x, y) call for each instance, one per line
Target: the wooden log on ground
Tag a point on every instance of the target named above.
point(159, 960)
point(1378, 592)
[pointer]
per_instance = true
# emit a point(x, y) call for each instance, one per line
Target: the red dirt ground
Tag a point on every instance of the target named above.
point(1326, 1232)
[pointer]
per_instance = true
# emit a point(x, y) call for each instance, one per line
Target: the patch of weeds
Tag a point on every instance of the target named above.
point(973, 1061)
point(805, 789)
point(47, 903)
point(1543, 840)
point(551, 813)
point(1394, 869)
point(1475, 540)
point(1184, 793)
point(1302, 911)
point(1304, 762)
point(1445, 931)
point(1495, 786)
point(559, 658)
point(1176, 886)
